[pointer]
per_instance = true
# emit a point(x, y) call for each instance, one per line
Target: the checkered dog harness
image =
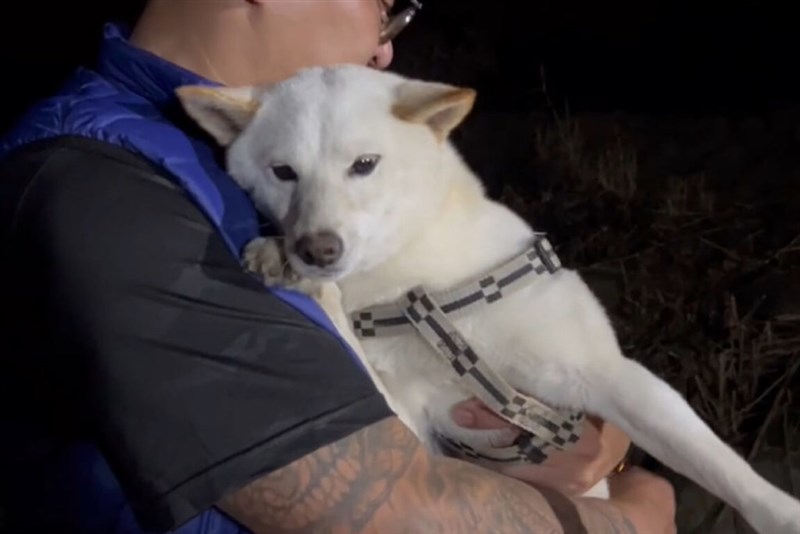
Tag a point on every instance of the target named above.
point(430, 314)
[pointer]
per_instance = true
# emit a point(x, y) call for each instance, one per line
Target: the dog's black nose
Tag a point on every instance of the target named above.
point(321, 248)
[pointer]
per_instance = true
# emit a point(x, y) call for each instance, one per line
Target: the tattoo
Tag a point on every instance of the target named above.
point(382, 480)
point(599, 517)
point(339, 487)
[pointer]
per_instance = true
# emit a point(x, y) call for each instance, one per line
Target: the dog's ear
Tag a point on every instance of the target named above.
point(221, 111)
point(441, 107)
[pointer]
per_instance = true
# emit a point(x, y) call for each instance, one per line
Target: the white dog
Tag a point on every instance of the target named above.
point(377, 206)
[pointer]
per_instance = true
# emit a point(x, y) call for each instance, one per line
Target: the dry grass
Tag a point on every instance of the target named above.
point(679, 258)
point(613, 169)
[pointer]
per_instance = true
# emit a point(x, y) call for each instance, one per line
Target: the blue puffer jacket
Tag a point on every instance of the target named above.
point(123, 101)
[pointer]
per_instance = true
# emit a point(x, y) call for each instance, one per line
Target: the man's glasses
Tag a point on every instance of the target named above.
point(398, 22)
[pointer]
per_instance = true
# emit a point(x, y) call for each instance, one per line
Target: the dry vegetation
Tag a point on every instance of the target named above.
point(694, 275)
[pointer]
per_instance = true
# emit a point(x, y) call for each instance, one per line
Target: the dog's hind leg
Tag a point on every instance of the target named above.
point(659, 420)
point(580, 365)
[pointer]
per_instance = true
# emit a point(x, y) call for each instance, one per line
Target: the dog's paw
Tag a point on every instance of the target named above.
point(264, 257)
point(774, 512)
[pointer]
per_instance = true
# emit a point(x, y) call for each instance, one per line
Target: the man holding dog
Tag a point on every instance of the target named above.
point(180, 393)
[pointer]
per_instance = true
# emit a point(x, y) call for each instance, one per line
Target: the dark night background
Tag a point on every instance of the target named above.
point(662, 157)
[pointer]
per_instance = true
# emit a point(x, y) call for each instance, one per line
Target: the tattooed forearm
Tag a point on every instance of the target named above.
point(338, 488)
point(598, 516)
point(381, 480)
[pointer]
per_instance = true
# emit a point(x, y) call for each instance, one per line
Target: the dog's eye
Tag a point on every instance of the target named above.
point(364, 165)
point(285, 173)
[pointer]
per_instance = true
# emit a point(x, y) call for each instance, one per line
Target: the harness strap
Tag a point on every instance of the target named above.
point(546, 427)
point(387, 320)
point(543, 427)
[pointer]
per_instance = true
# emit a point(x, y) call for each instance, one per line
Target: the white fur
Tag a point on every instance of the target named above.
point(422, 218)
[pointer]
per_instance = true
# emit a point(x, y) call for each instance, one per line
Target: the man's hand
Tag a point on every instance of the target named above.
point(647, 501)
point(601, 447)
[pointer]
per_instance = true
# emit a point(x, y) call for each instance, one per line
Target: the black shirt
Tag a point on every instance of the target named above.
point(130, 324)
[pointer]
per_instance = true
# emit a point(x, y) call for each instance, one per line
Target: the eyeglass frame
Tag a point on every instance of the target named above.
point(397, 23)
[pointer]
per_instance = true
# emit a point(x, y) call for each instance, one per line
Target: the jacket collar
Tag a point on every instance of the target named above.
point(140, 71)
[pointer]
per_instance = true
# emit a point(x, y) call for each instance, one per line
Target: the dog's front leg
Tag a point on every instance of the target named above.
point(264, 256)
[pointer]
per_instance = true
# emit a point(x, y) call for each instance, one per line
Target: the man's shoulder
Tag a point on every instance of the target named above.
point(86, 105)
point(36, 156)
point(93, 124)
point(54, 163)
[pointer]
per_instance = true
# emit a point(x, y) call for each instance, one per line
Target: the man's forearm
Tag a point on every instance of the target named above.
point(382, 480)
